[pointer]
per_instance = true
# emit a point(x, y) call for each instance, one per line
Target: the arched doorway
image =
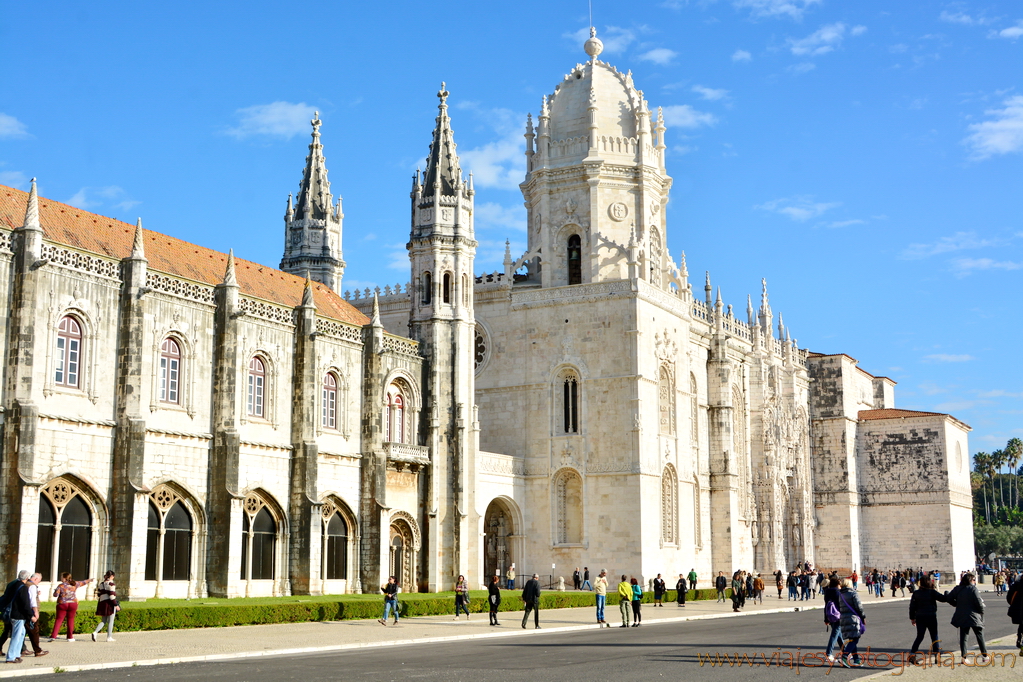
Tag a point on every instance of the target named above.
point(498, 529)
point(403, 545)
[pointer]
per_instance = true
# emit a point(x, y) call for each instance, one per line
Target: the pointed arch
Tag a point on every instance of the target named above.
point(172, 537)
point(71, 517)
point(339, 540)
point(669, 506)
point(264, 527)
point(567, 401)
point(666, 400)
point(405, 541)
point(567, 503)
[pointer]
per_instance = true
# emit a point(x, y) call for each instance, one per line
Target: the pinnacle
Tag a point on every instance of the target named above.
point(442, 165)
point(314, 197)
point(32, 210)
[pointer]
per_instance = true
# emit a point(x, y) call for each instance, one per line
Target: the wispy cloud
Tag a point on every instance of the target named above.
point(963, 18)
point(957, 242)
point(825, 39)
point(759, 9)
point(1002, 134)
point(492, 216)
point(836, 224)
point(278, 119)
point(963, 267)
point(946, 357)
point(711, 94)
point(802, 67)
point(684, 116)
point(499, 164)
point(111, 196)
point(12, 128)
point(798, 208)
point(659, 55)
point(1010, 33)
point(741, 56)
point(14, 179)
point(998, 394)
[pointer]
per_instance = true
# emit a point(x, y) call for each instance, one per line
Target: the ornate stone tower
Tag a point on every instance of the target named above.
point(312, 225)
point(442, 248)
point(595, 180)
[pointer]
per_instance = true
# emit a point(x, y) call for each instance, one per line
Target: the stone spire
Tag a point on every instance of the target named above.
point(749, 309)
point(229, 276)
point(442, 163)
point(314, 197)
point(307, 294)
point(138, 247)
point(32, 211)
point(376, 312)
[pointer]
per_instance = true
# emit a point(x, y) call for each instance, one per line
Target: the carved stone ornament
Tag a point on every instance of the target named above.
point(655, 207)
point(570, 206)
point(618, 211)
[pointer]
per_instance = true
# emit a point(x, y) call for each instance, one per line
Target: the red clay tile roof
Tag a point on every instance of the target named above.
point(97, 234)
point(897, 414)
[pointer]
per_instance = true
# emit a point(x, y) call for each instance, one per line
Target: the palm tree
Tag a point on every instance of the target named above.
point(1013, 455)
point(998, 458)
point(982, 465)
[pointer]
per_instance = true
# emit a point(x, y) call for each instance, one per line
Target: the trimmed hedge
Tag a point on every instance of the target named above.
point(167, 614)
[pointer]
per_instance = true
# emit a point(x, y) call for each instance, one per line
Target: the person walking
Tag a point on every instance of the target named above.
point(779, 581)
point(720, 583)
point(576, 578)
point(587, 585)
point(832, 617)
point(637, 601)
point(531, 597)
point(737, 587)
point(969, 614)
point(680, 591)
point(17, 609)
point(66, 594)
point(923, 613)
point(853, 623)
point(32, 625)
point(107, 607)
point(691, 578)
point(791, 583)
point(461, 597)
point(600, 587)
point(493, 598)
point(758, 589)
point(659, 589)
point(855, 580)
point(1015, 598)
point(510, 577)
point(625, 600)
point(390, 591)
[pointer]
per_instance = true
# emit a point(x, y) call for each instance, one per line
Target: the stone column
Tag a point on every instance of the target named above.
point(373, 466)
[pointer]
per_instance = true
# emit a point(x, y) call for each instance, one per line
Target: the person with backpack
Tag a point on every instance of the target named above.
point(923, 613)
point(637, 602)
point(969, 614)
point(832, 617)
point(852, 623)
point(17, 610)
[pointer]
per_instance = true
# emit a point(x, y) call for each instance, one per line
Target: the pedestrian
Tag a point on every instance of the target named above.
point(923, 613)
point(692, 579)
point(66, 594)
point(894, 583)
point(625, 600)
point(1015, 598)
point(659, 589)
point(531, 597)
point(758, 589)
point(587, 585)
point(576, 578)
point(937, 580)
point(32, 625)
point(390, 591)
point(791, 583)
point(680, 591)
point(637, 600)
point(969, 614)
point(818, 583)
point(855, 580)
point(510, 577)
point(600, 586)
point(461, 597)
point(17, 609)
point(493, 598)
point(853, 624)
point(779, 581)
point(832, 617)
point(737, 587)
point(107, 606)
point(720, 583)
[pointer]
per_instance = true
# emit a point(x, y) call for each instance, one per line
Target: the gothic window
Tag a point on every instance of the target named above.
point(257, 387)
point(479, 348)
point(259, 540)
point(329, 401)
point(395, 415)
point(669, 506)
point(64, 535)
point(335, 543)
point(446, 287)
point(666, 402)
point(69, 353)
point(570, 402)
point(170, 371)
point(466, 290)
point(575, 260)
point(169, 537)
point(568, 506)
point(427, 288)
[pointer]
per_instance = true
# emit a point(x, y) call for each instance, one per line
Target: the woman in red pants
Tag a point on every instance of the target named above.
point(67, 604)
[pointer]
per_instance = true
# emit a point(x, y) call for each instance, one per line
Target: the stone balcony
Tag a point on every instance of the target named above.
point(401, 455)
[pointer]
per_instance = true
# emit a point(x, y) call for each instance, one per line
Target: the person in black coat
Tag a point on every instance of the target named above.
point(494, 598)
point(1015, 598)
point(16, 596)
point(681, 587)
point(531, 597)
point(969, 614)
point(923, 613)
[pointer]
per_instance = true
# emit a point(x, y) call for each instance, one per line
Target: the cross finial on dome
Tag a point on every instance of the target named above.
point(443, 93)
point(593, 46)
point(316, 123)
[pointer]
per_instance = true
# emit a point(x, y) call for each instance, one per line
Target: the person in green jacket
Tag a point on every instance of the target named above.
point(625, 599)
point(692, 578)
point(637, 600)
point(738, 585)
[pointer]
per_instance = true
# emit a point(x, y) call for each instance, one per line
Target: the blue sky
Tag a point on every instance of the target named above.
point(865, 157)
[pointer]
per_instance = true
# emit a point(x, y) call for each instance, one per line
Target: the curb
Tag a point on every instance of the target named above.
point(110, 665)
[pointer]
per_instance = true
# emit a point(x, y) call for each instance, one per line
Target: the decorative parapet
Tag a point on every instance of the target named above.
point(5, 241)
point(267, 311)
point(575, 293)
point(76, 260)
point(339, 330)
point(405, 454)
point(503, 465)
point(401, 346)
point(180, 288)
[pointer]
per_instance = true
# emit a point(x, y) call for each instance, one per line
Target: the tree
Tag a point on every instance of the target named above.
point(982, 465)
point(1013, 455)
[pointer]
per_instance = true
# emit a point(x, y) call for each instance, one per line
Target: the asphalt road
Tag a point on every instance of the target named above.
point(650, 652)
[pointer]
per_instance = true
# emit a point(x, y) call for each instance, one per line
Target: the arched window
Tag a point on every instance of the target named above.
point(69, 353)
point(64, 535)
point(259, 540)
point(570, 402)
point(397, 555)
point(395, 415)
point(335, 543)
point(446, 287)
point(427, 288)
point(330, 401)
point(669, 506)
point(568, 505)
point(169, 537)
point(257, 387)
point(170, 371)
point(575, 260)
point(666, 402)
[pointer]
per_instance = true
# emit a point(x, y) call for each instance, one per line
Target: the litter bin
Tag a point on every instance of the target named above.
point(980, 578)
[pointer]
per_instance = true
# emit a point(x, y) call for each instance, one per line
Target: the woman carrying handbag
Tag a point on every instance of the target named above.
point(494, 598)
point(852, 623)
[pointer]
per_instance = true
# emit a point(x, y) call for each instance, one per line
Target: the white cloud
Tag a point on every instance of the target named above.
point(500, 164)
point(858, 30)
point(711, 94)
point(491, 216)
point(793, 9)
point(998, 394)
point(10, 127)
point(898, 48)
point(14, 179)
point(957, 242)
point(111, 196)
point(798, 208)
point(802, 67)
point(279, 119)
point(946, 357)
point(1002, 134)
point(834, 225)
point(823, 40)
point(963, 18)
point(684, 116)
point(963, 267)
point(1011, 33)
point(741, 56)
point(659, 55)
